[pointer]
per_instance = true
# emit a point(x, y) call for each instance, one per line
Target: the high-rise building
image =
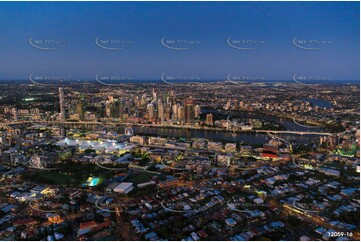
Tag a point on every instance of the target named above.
point(62, 104)
point(150, 109)
point(197, 111)
point(167, 112)
point(15, 114)
point(160, 110)
point(209, 119)
point(154, 95)
point(107, 109)
point(79, 109)
point(180, 113)
point(172, 96)
point(189, 109)
point(175, 112)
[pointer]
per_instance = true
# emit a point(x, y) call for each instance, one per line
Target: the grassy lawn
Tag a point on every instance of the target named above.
point(138, 178)
point(53, 177)
point(70, 175)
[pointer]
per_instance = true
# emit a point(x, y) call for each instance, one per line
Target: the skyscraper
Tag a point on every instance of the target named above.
point(189, 109)
point(150, 109)
point(15, 113)
point(180, 113)
point(62, 104)
point(209, 119)
point(154, 95)
point(197, 111)
point(160, 109)
point(79, 109)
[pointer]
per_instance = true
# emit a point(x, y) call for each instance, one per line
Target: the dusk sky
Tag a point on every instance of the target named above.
point(206, 26)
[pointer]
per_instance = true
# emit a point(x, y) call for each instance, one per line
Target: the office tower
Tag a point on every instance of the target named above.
point(121, 108)
point(79, 109)
point(209, 119)
point(181, 113)
point(137, 102)
point(189, 109)
point(62, 104)
point(114, 109)
point(174, 111)
point(107, 109)
point(160, 109)
point(15, 114)
point(167, 112)
point(150, 109)
point(197, 111)
point(241, 104)
point(154, 95)
point(172, 96)
point(143, 100)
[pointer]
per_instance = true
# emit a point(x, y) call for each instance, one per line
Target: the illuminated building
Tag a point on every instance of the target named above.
point(209, 119)
point(215, 146)
point(160, 109)
point(171, 181)
point(55, 218)
point(180, 113)
point(154, 95)
point(124, 187)
point(230, 147)
point(175, 112)
point(197, 111)
point(62, 104)
point(189, 113)
point(167, 112)
point(137, 139)
point(15, 114)
point(270, 150)
point(150, 109)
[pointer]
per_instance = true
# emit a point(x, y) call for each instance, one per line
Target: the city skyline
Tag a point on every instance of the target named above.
point(180, 121)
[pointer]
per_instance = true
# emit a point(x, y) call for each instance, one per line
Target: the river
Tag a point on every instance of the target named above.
point(250, 138)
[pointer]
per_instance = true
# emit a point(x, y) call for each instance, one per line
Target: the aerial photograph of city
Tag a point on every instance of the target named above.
point(180, 121)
